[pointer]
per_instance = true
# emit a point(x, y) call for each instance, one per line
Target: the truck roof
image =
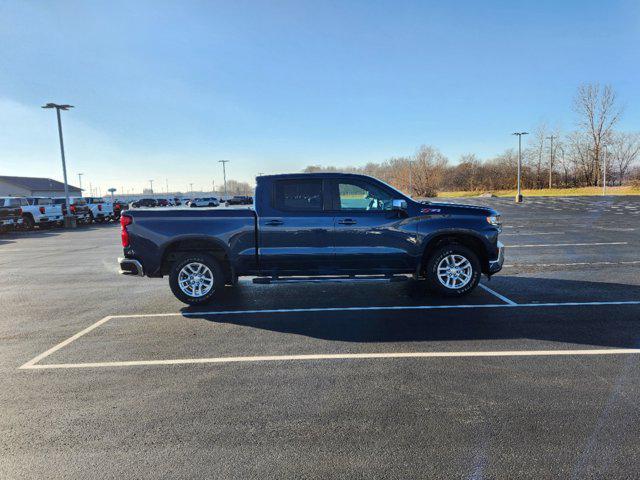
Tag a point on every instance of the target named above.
point(314, 174)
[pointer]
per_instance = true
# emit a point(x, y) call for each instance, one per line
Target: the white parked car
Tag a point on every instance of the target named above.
point(40, 212)
point(204, 202)
point(100, 210)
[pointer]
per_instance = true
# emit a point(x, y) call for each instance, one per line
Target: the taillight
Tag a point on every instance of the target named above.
point(73, 209)
point(41, 210)
point(124, 221)
point(99, 207)
point(20, 211)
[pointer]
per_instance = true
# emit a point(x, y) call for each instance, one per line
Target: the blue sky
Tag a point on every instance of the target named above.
point(165, 89)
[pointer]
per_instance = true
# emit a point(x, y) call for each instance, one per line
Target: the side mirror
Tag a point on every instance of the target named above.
point(398, 204)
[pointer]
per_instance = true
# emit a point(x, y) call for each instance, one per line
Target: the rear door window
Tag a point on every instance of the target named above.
point(299, 195)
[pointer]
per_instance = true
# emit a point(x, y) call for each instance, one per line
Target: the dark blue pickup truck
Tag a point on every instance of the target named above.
point(314, 227)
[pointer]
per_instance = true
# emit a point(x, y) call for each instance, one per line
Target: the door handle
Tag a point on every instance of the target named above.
point(347, 221)
point(274, 223)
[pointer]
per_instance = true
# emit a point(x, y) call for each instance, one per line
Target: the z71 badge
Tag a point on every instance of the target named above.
point(431, 210)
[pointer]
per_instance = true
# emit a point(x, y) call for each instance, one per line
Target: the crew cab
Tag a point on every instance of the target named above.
point(77, 207)
point(40, 212)
point(99, 209)
point(319, 227)
point(10, 213)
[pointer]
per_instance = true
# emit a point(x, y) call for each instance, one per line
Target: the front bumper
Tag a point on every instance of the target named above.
point(496, 265)
point(130, 266)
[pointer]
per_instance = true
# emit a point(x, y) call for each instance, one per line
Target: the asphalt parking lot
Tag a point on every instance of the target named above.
point(535, 375)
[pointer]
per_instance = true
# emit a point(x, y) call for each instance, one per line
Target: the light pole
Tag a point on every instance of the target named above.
point(519, 134)
point(69, 220)
point(151, 187)
point(604, 169)
point(552, 137)
point(80, 180)
point(224, 175)
point(191, 188)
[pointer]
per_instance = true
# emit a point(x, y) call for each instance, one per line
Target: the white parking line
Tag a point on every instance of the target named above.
point(566, 244)
point(341, 356)
point(496, 294)
point(531, 233)
point(630, 262)
point(33, 363)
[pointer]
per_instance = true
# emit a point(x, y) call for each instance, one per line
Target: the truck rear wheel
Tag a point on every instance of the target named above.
point(196, 278)
point(453, 270)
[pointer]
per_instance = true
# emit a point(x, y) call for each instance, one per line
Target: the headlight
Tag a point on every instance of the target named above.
point(494, 220)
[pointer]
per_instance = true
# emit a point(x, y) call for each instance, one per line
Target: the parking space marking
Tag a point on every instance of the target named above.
point(630, 262)
point(382, 308)
point(496, 294)
point(66, 342)
point(566, 244)
point(341, 356)
point(532, 233)
point(34, 362)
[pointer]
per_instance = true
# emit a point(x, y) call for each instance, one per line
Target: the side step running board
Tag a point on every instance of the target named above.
point(333, 279)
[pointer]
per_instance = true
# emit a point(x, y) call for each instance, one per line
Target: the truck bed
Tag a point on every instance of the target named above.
point(155, 231)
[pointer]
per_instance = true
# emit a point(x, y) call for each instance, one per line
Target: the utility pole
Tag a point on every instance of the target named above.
point(224, 175)
point(551, 157)
point(69, 220)
point(410, 178)
point(604, 169)
point(151, 186)
point(213, 186)
point(191, 188)
point(519, 194)
point(166, 181)
point(80, 181)
point(90, 189)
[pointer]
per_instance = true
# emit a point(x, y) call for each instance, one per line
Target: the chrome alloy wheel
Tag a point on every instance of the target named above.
point(195, 279)
point(455, 271)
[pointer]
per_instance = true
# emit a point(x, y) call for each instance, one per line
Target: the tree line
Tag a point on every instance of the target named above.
point(593, 152)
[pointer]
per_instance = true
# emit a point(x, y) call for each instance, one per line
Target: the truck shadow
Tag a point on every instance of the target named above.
point(604, 325)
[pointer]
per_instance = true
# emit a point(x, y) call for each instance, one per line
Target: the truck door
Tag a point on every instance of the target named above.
point(297, 232)
point(371, 237)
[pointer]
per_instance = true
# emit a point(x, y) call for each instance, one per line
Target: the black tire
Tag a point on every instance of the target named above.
point(431, 270)
point(205, 259)
point(28, 223)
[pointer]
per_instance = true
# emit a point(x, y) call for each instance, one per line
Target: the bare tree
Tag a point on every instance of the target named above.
point(598, 113)
point(624, 151)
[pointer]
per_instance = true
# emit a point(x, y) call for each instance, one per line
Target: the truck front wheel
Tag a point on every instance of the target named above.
point(453, 270)
point(196, 278)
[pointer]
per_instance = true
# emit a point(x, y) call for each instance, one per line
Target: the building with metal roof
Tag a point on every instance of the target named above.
point(34, 187)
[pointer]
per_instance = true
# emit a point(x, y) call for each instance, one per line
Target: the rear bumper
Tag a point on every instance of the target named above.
point(130, 266)
point(496, 265)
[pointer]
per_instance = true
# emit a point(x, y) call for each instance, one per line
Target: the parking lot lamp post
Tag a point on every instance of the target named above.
point(69, 220)
point(604, 169)
point(519, 134)
point(224, 176)
point(80, 181)
point(551, 157)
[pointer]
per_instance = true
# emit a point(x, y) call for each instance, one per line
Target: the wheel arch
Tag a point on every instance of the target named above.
point(208, 245)
point(465, 238)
